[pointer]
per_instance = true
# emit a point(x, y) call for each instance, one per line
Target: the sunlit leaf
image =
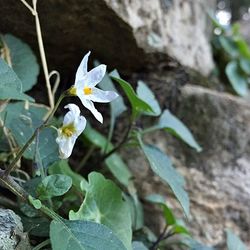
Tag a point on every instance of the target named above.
point(137, 104)
point(54, 185)
point(82, 235)
point(162, 166)
point(23, 61)
point(176, 127)
point(234, 242)
point(145, 93)
point(10, 84)
point(103, 204)
point(236, 78)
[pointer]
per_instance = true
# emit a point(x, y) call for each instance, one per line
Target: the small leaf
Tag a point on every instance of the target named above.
point(245, 65)
point(168, 214)
point(172, 124)
point(145, 93)
point(62, 167)
point(179, 229)
point(162, 166)
point(103, 204)
point(82, 235)
point(23, 61)
point(137, 104)
point(54, 185)
point(35, 202)
point(236, 78)
point(137, 245)
point(234, 242)
point(242, 47)
point(229, 46)
point(114, 162)
point(22, 123)
point(10, 84)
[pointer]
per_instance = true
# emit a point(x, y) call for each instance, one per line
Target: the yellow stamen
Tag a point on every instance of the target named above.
point(68, 130)
point(72, 91)
point(87, 91)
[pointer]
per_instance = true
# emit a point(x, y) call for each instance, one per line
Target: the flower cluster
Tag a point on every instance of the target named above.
point(85, 88)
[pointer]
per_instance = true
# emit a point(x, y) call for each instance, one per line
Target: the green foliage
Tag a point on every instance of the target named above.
point(62, 167)
point(234, 242)
point(137, 104)
point(144, 92)
point(35, 202)
point(174, 126)
point(98, 206)
point(82, 235)
point(114, 162)
point(54, 185)
point(233, 55)
point(162, 166)
point(23, 61)
point(22, 123)
point(10, 85)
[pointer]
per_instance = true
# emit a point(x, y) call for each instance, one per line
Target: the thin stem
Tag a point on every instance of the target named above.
point(160, 238)
point(110, 134)
point(28, 6)
point(10, 184)
point(123, 141)
point(42, 245)
point(85, 158)
point(43, 57)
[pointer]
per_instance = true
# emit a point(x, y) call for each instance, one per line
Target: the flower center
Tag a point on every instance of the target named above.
point(72, 91)
point(88, 91)
point(68, 130)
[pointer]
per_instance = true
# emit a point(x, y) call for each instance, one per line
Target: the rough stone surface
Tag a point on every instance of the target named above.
point(120, 33)
point(217, 178)
point(12, 236)
point(177, 28)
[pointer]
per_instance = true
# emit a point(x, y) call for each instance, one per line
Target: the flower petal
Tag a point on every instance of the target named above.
point(102, 96)
point(90, 105)
point(95, 75)
point(65, 145)
point(80, 124)
point(72, 114)
point(83, 68)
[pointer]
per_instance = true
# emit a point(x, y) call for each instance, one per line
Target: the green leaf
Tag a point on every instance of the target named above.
point(137, 245)
point(243, 47)
point(245, 65)
point(10, 84)
point(114, 162)
point(22, 124)
point(234, 242)
point(162, 166)
point(35, 202)
point(145, 93)
point(229, 46)
point(54, 185)
point(179, 229)
point(82, 235)
point(23, 61)
point(103, 204)
point(173, 125)
point(236, 78)
point(168, 214)
point(137, 104)
point(62, 167)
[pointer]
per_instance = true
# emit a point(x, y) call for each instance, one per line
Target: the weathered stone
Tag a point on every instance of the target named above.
point(12, 236)
point(120, 33)
point(218, 178)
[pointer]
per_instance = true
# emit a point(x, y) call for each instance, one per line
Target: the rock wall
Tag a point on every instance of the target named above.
point(120, 33)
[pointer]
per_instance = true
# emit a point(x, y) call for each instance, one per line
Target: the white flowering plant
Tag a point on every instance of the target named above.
point(69, 182)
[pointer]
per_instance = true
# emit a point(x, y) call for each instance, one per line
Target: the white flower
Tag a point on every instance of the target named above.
point(73, 125)
point(84, 87)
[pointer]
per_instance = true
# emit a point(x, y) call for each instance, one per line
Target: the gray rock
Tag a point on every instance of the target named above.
point(217, 179)
point(120, 33)
point(12, 236)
